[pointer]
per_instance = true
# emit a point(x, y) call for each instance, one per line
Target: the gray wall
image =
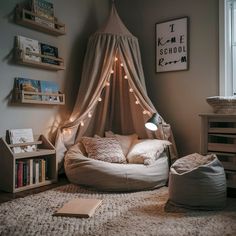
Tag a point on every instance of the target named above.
point(178, 96)
point(82, 18)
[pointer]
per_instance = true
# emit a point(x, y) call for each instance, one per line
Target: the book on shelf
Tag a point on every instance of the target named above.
point(28, 45)
point(36, 166)
point(38, 86)
point(19, 174)
point(28, 85)
point(79, 207)
point(25, 173)
point(44, 9)
point(18, 136)
point(49, 87)
point(49, 50)
point(30, 171)
point(30, 163)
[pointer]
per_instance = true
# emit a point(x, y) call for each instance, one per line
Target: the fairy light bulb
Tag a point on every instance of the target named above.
point(116, 59)
point(121, 64)
point(144, 112)
point(126, 77)
point(137, 102)
point(107, 83)
point(82, 123)
point(100, 99)
point(112, 71)
point(131, 90)
point(89, 114)
point(66, 131)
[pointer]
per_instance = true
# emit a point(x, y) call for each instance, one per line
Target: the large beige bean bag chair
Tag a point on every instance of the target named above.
point(114, 176)
point(197, 181)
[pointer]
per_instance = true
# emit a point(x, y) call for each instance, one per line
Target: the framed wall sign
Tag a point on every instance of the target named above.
point(172, 45)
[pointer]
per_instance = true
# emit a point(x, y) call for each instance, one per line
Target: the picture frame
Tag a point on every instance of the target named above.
point(172, 45)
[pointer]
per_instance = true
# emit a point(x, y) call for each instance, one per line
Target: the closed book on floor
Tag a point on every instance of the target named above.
point(79, 207)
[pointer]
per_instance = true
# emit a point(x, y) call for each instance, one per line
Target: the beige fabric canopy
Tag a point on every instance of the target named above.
point(112, 94)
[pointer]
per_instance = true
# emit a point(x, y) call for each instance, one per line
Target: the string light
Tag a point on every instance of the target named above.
point(66, 131)
point(145, 112)
point(131, 90)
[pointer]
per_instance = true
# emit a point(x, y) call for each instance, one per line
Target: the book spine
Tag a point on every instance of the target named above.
point(31, 171)
point(25, 174)
point(36, 172)
point(16, 174)
point(43, 170)
point(28, 172)
point(46, 169)
point(40, 170)
point(20, 174)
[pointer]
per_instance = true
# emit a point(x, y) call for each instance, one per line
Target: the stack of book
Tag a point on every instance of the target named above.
point(30, 171)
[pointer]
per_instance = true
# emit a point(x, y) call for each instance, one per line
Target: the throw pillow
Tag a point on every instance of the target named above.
point(81, 148)
point(146, 151)
point(192, 161)
point(104, 149)
point(125, 141)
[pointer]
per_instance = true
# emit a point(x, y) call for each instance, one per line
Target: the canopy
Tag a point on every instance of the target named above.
point(112, 93)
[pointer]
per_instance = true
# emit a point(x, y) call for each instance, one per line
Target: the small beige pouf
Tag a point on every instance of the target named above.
point(197, 182)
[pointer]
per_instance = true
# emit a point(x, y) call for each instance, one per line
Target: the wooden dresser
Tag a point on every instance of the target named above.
point(218, 135)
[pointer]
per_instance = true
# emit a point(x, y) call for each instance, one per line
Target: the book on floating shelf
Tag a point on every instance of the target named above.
point(37, 91)
point(79, 207)
point(18, 136)
point(48, 50)
point(45, 10)
point(29, 46)
point(33, 53)
point(48, 87)
point(28, 85)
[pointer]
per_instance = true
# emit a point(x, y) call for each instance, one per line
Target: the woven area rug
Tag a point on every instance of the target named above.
point(139, 213)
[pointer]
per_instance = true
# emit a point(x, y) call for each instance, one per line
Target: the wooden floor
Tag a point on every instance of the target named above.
point(4, 196)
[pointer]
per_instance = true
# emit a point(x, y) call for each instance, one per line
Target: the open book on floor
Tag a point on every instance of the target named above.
point(79, 207)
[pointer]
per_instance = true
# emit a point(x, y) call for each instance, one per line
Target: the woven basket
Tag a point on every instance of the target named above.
point(222, 105)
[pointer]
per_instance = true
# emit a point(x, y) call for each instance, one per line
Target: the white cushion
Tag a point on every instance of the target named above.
point(104, 149)
point(191, 162)
point(125, 141)
point(146, 151)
